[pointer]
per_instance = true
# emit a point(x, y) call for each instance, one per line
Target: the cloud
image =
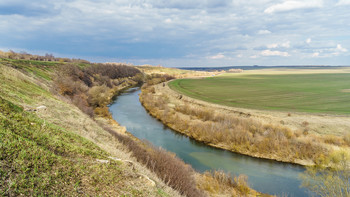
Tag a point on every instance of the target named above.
point(263, 32)
point(177, 31)
point(293, 5)
point(218, 56)
point(274, 53)
point(193, 4)
point(341, 49)
point(308, 41)
point(316, 54)
point(279, 45)
point(343, 2)
point(29, 9)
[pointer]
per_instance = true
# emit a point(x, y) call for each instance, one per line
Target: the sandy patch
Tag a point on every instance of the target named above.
point(346, 90)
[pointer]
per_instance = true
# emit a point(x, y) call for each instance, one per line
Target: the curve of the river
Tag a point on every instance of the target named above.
point(263, 175)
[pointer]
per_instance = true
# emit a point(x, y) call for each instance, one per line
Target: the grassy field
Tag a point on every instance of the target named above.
point(305, 91)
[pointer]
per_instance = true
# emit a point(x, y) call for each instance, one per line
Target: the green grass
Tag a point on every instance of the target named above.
point(38, 68)
point(317, 93)
point(42, 159)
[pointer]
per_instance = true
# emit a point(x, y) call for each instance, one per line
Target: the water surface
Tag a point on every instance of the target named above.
point(263, 175)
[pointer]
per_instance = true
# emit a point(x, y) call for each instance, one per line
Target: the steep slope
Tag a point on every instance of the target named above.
point(49, 147)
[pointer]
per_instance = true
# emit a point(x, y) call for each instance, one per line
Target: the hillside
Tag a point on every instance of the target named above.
point(50, 147)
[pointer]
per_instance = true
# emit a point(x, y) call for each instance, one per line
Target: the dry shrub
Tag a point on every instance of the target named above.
point(93, 86)
point(242, 184)
point(220, 183)
point(103, 112)
point(99, 96)
point(346, 139)
point(305, 123)
point(331, 139)
point(152, 89)
point(81, 102)
point(65, 85)
point(167, 166)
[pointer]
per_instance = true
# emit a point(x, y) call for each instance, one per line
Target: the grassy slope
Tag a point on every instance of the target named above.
point(320, 93)
point(43, 153)
point(43, 159)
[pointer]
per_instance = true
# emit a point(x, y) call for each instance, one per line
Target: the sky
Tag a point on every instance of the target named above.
point(181, 33)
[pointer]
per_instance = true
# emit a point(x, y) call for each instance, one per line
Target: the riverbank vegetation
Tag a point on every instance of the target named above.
point(237, 131)
point(331, 177)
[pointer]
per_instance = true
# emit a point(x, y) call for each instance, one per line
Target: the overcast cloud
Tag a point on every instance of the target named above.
point(181, 33)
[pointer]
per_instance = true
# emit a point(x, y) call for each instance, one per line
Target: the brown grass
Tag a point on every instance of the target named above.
point(218, 182)
point(239, 133)
point(167, 166)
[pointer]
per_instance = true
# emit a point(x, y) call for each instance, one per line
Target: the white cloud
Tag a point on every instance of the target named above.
point(293, 5)
point(343, 2)
point(168, 20)
point(341, 49)
point(239, 55)
point(253, 56)
point(274, 53)
point(263, 32)
point(276, 45)
point(308, 41)
point(218, 56)
point(285, 44)
point(272, 46)
point(316, 54)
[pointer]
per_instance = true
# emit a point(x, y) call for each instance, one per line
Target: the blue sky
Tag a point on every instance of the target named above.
point(181, 33)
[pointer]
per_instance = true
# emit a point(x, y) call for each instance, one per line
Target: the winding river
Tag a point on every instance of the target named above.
point(263, 175)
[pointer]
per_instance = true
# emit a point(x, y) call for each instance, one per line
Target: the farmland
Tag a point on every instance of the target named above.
point(322, 91)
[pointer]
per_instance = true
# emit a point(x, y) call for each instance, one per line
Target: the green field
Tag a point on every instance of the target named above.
point(317, 93)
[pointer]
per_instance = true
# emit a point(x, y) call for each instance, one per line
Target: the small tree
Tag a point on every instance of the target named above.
point(330, 177)
point(99, 96)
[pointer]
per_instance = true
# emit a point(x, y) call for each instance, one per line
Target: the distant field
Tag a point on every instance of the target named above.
point(308, 92)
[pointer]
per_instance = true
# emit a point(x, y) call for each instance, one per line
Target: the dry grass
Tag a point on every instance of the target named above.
point(218, 183)
point(239, 132)
point(174, 72)
point(167, 166)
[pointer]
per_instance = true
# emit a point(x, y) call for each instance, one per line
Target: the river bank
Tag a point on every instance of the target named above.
point(200, 120)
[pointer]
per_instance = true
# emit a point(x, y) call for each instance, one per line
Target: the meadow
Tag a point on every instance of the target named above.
point(319, 92)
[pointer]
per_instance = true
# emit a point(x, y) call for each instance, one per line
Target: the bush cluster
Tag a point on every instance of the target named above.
point(91, 88)
point(218, 182)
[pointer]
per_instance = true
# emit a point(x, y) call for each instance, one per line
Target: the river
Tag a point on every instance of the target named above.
point(263, 175)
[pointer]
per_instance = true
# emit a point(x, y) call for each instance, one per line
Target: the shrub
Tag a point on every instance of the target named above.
point(167, 166)
point(99, 96)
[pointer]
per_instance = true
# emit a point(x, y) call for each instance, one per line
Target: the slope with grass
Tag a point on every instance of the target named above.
point(57, 149)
